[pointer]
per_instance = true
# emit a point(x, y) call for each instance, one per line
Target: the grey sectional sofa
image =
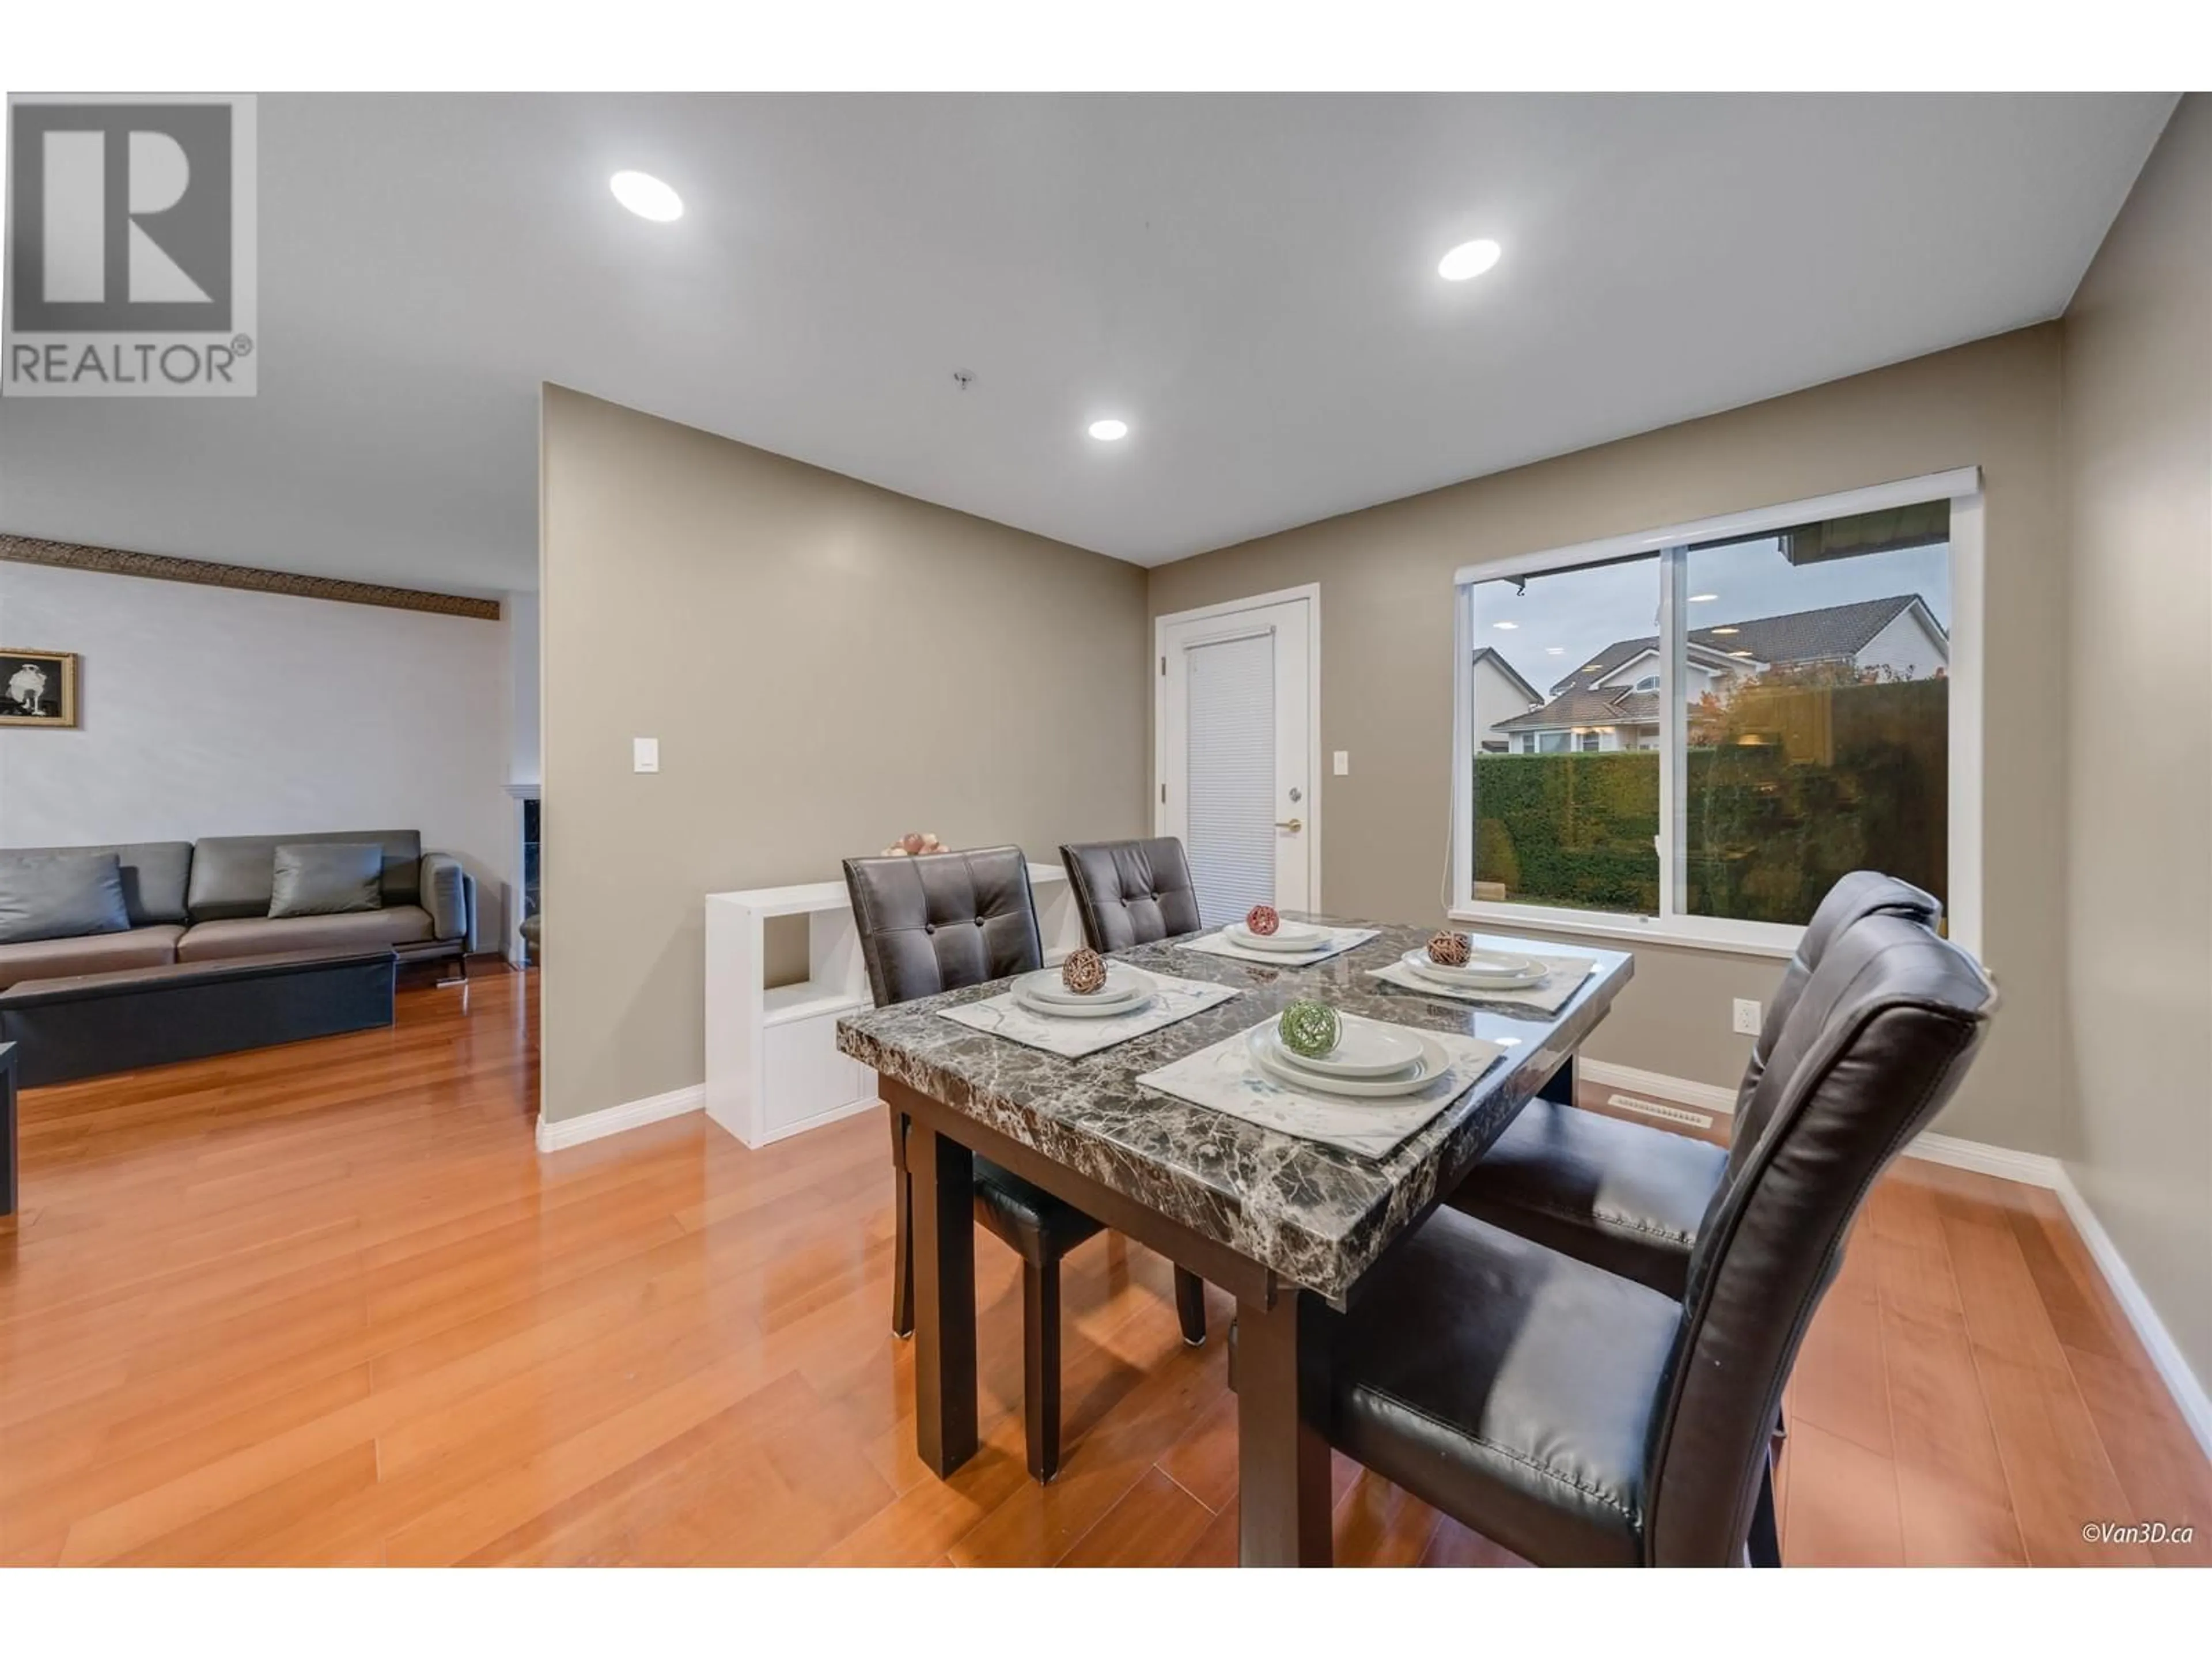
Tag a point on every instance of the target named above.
point(209, 901)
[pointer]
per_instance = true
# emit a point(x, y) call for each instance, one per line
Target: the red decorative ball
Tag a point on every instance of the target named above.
point(1084, 972)
point(1262, 920)
point(1450, 949)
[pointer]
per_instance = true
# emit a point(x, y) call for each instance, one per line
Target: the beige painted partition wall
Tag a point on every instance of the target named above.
point(1385, 588)
point(826, 665)
point(2138, 394)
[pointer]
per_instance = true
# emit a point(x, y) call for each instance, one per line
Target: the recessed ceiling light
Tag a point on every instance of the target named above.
point(1555, 650)
point(647, 197)
point(1468, 259)
point(1108, 432)
point(1703, 598)
point(1731, 629)
point(1739, 653)
point(1505, 624)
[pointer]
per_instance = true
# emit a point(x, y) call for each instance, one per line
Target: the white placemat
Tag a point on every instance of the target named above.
point(1001, 1016)
point(1224, 1078)
point(1568, 974)
point(1340, 940)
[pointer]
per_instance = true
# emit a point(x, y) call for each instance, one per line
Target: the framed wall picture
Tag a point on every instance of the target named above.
point(38, 687)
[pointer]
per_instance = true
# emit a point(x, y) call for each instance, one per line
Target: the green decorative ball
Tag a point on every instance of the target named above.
point(1309, 1028)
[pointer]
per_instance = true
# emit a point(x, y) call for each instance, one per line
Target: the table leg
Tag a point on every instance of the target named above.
point(1559, 1087)
point(1282, 1458)
point(8, 1149)
point(942, 1177)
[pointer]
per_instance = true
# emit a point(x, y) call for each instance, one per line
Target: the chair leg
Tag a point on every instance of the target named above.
point(903, 1225)
point(1763, 1547)
point(1190, 1306)
point(1041, 1367)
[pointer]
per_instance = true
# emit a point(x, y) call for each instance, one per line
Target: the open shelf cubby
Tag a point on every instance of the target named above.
point(773, 1067)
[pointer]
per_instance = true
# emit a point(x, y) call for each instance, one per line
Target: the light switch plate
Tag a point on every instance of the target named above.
point(644, 754)
point(1344, 762)
point(1746, 1016)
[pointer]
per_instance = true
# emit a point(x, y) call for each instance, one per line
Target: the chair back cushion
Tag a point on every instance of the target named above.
point(941, 920)
point(1881, 1033)
point(153, 876)
point(1132, 892)
point(235, 876)
point(1861, 893)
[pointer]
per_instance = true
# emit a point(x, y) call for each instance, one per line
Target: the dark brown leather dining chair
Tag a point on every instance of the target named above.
point(938, 922)
point(1579, 1418)
point(1129, 893)
point(1132, 892)
point(1628, 1198)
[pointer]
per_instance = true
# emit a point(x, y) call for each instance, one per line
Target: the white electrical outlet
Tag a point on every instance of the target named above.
point(1746, 1016)
point(644, 754)
point(1344, 762)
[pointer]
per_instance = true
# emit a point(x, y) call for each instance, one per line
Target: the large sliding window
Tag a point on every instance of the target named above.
point(1733, 713)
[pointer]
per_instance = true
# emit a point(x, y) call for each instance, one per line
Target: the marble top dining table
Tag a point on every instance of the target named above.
point(1290, 1226)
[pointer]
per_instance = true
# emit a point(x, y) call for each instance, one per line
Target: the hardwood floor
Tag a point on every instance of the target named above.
point(326, 1303)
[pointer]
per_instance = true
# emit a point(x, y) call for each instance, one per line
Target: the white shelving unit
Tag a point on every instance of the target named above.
point(773, 1068)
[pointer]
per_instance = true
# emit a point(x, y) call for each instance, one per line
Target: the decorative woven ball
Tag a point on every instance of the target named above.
point(1310, 1028)
point(1262, 920)
point(1450, 949)
point(1084, 972)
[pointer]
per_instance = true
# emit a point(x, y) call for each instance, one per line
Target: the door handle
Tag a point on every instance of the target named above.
point(1291, 824)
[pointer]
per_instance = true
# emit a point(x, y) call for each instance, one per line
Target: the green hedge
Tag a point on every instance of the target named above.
point(1571, 828)
point(1838, 779)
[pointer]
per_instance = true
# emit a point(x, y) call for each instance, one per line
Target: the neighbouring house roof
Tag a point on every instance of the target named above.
point(1580, 708)
point(1836, 630)
point(1833, 633)
point(1489, 654)
point(1637, 708)
point(1839, 631)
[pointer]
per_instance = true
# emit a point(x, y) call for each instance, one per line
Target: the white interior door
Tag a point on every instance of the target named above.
point(1237, 755)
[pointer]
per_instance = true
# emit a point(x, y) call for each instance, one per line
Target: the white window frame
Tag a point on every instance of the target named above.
point(1962, 487)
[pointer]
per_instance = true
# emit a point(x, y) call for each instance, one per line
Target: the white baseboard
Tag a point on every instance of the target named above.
point(2030, 1169)
point(630, 1115)
point(1705, 1096)
point(2166, 1355)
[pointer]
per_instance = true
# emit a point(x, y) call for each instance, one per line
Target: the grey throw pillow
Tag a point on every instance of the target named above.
point(327, 878)
point(60, 896)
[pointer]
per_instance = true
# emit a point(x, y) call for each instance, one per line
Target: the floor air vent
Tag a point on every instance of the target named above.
point(1668, 1114)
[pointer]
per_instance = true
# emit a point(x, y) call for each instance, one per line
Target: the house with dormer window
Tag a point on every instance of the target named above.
point(1611, 702)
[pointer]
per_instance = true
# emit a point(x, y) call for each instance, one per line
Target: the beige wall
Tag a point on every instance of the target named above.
point(1386, 630)
point(826, 665)
point(2138, 416)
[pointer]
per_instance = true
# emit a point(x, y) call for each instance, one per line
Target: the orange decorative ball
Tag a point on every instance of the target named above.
point(1450, 949)
point(1262, 920)
point(1084, 972)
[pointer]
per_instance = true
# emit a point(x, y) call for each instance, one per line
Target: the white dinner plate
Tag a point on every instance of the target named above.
point(1364, 1049)
point(1268, 1053)
point(1124, 984)
point(1085, 1010)
point(1293, 938)
point(1514, 973)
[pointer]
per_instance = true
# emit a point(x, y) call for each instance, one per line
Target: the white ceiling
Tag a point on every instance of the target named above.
point(1249, 281)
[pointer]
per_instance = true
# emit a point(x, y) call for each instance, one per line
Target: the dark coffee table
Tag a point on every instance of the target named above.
point(91, 1023)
